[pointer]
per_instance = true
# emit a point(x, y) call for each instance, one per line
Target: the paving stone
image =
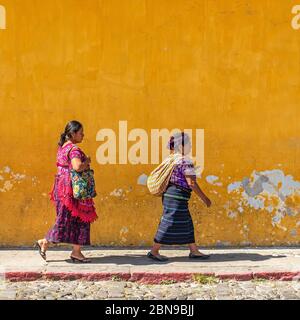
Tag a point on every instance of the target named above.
point(84, 290)
point(115, 293)
point(101, 295)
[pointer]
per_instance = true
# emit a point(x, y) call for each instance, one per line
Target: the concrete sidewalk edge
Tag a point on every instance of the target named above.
point(148, 278)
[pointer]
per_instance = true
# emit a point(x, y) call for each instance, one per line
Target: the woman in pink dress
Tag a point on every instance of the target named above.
point(73, 216)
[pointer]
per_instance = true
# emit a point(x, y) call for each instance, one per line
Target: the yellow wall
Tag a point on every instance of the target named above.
point(230, 67)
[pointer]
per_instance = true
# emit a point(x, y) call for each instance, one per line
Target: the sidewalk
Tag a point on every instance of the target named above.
point(132, 264)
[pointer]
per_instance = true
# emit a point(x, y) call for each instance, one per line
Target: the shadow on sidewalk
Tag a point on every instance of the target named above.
point(134, 259)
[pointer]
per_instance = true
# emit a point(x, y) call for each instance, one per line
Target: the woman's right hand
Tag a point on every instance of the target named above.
point(88, 160)
point(87, 163)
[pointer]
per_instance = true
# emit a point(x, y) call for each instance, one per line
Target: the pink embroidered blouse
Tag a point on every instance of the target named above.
point(62, 192)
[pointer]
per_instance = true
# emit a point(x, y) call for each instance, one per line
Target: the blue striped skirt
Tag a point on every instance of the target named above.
point(176, 225)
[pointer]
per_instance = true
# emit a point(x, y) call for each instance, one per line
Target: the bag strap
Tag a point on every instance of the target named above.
point(174, 158)
point(69, 152)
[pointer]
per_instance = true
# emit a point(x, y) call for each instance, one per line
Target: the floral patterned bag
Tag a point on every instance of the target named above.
point(83, 184)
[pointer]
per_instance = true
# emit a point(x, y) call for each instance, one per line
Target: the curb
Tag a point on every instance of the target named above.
point(147, 277)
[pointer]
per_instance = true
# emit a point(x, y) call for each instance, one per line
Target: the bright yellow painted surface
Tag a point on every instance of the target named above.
point(230, 67)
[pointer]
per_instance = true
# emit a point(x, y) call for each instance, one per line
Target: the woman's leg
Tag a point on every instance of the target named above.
point(154, 253)
point(43, 244)
point(77, 252)
point(155, 249)
point(194, 249)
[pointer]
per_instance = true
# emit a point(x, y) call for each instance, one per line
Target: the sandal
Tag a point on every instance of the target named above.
point(41, 252)
point(157, 258)
point(202, 256)
point(84, 260)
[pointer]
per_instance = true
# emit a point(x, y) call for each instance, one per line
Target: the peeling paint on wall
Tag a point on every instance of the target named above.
point(6, 169)
point(117, 193)
point(232, 215)
point(293, 233)
point(35, 181)
point(213, 180)
point(9, 179)
point(142, 179)
point(270, 190)
point(7, 186)
point(124, 230)
point(18, 176)
point(123, 233)
point(233, 186)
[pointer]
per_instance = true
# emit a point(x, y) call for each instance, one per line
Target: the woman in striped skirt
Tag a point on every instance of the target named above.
point(176, 225)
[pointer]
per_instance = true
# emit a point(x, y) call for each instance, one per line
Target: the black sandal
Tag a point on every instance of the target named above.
point(42, 253)
point(157, 258)
point(202, 256)
point(84, 260)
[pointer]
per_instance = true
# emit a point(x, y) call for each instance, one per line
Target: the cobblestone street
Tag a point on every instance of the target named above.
point(213, 290)
point(127, 273)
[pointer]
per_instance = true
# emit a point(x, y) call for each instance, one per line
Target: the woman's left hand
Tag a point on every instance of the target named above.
point(207, 202)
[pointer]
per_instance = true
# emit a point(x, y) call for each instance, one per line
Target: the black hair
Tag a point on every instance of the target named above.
point(72, 127)
point(179, 138)
point(171, 143)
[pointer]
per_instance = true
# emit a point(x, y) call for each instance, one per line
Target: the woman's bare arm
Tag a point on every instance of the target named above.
point(79, 165)
point(192, 182)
